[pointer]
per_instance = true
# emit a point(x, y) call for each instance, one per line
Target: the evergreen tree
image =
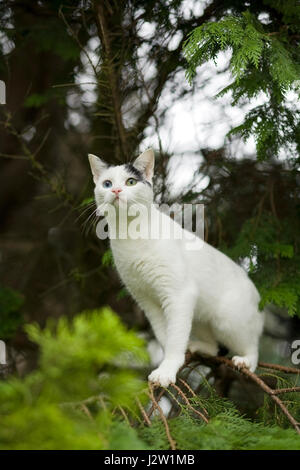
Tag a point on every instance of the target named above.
point(82, 394)
point(263, 40)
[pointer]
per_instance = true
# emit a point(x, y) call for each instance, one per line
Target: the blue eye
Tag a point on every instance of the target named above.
point(107, 184)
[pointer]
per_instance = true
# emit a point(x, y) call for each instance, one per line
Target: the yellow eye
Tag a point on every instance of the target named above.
point(131, 182)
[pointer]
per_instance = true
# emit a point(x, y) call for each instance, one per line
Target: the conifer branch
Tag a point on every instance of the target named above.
point(255, 378)
point(211, 361)
point(186, 400)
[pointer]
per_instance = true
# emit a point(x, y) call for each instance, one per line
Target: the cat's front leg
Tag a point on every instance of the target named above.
point(156, 317)
point(179, 315)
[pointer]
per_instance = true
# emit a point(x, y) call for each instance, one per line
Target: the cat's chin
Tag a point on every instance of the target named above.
point(119, 203)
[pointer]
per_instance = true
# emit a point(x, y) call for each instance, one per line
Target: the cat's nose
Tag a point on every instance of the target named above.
point(116, 191)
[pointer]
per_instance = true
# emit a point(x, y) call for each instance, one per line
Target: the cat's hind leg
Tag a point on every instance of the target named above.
point(202, 340)
point(203, 348)
point(240, 334)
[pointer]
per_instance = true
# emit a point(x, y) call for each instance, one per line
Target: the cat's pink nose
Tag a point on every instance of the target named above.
point(116, 191)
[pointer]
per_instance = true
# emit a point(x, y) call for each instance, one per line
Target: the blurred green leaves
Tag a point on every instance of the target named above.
point(86, 369)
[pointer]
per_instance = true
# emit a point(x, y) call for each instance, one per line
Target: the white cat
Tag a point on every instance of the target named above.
point(194, 299)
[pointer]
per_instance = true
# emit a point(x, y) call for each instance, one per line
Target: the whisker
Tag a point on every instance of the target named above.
point(89, 217)
point(85, 210)
point(86, 206)
point(92, 219)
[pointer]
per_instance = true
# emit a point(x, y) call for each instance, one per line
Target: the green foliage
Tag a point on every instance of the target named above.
point(240, 33)
point(85, 371)
point(36, 100)
point(86, 374)
point(87, 201)
point(88, 367)
point(263, 60)
point(57, 40)
point(252, 212)
point(268, 246)
point(122, 293)
point(269, 414)
point(124, 437)
point(227, 430)
point(230, 431)
point(10, 315)
point(107, 258)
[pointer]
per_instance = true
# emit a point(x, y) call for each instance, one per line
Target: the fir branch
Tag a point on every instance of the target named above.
point(255, 378)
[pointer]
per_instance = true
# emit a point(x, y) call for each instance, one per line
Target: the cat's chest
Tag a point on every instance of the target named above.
point(138, 268)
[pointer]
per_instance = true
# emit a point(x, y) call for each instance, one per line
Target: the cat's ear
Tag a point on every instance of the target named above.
point(97, 166)
point(145, 163)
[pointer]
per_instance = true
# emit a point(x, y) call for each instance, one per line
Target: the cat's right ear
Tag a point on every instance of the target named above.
point(97, 166)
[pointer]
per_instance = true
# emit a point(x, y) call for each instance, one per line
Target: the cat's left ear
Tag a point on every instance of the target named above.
point(97, 166)
point(145, 163)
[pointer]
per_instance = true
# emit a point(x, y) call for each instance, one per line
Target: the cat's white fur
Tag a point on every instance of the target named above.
point(193, 299)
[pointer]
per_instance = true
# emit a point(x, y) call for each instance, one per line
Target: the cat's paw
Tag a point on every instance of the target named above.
point(250, 361)
point(241, 361)
point(162, 377)
point(165, 374)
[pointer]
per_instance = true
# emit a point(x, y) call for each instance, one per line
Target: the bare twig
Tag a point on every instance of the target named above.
point(163, 418)
point(188, 403)
point(152, 408)
point(287, 370)
point(188, 387)
point(145, 416)
point(124, 414)
point(192, 393)
point(286, 390)
point(86, 411)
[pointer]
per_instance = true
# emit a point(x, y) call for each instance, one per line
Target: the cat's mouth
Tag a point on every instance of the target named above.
point(118, 200)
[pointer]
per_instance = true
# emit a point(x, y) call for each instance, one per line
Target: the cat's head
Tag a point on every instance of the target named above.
point(123, 185)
